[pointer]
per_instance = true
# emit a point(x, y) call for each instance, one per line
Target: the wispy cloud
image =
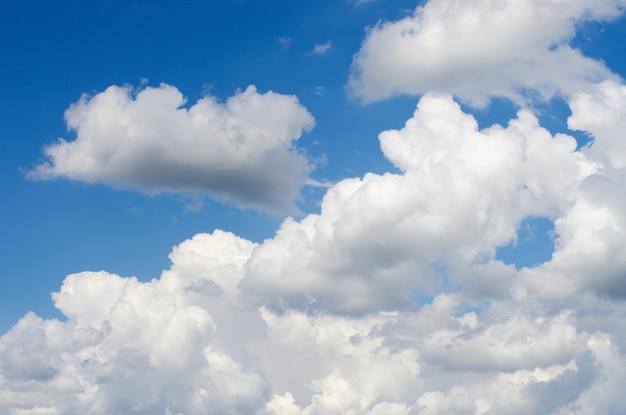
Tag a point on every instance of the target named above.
point(193, 203)
point(285, 42)
point(322, 48)
point(320, 90)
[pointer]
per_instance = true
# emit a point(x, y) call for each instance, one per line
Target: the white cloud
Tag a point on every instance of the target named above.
point(345, 363)
point(379, 239)
point(602, 113)
point(133, 347)
point(591, 243)
point(242, 150)
point(322, 48)
point(390, 300)
point(479, 49)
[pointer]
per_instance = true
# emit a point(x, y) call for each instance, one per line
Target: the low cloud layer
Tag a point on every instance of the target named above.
point(479, 49)
point(241, 151)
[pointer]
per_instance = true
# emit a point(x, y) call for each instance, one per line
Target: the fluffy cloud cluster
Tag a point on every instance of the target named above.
point(479, 49)
point(241, 151)
point(462, 194)
point(389, 301)
point(129, 347)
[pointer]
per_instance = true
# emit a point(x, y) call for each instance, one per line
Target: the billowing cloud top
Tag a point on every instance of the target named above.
point(479, 49)
point(378, 236)
point(241, 151)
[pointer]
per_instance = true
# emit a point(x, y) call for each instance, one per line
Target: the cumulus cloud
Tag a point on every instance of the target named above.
point(391, 299)
point(591, 243)
point(479, 49)
point(378, 240)
point(241, 151)
point(133, 347)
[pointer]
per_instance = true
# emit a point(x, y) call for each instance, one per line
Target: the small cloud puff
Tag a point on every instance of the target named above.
point(285, 41)
point(322, 48)
point(320, 91)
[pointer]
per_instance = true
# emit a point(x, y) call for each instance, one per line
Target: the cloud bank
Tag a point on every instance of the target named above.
point(242, 151)
point(388, 301)
point(479, 49)
point(391, 300)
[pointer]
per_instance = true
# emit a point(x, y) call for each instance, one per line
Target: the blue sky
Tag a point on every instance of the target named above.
point(55, 53)
point(317, 206)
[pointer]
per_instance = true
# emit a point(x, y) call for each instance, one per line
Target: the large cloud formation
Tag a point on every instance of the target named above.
point(478, 49)
point(376, 237)
point(241, 151)
point(389, 301)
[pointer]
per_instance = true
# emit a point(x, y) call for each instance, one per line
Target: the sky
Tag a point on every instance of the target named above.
point(309, 208)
